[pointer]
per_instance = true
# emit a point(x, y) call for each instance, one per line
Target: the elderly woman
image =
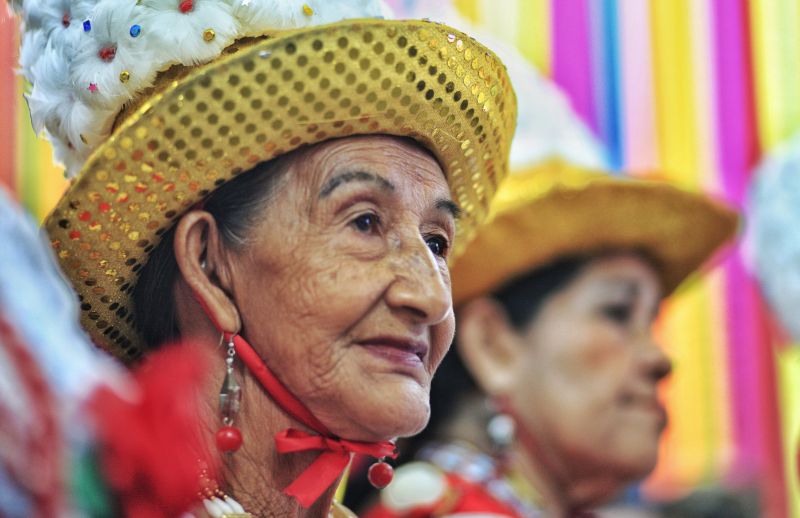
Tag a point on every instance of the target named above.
point(289, 204)
point(551, 405)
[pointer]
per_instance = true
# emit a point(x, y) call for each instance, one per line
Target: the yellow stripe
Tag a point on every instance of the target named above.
point(468, 8)
point(685, 321)
point(722, 442)
point(788, 369)
point(675, 104)
point(714, 350)
point(28, 162)
point(534, 33)
point(40, 182)
point(790, 66)
point(771, 85)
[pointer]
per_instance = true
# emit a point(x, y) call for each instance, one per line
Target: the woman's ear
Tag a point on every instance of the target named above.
point(489, 345)
point(204, 268)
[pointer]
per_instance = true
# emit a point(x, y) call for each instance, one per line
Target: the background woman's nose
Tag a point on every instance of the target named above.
point(420, 288)
point(655, 361)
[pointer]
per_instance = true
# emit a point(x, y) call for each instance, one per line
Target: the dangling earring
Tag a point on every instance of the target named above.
point(500, 430)
point(229, 438)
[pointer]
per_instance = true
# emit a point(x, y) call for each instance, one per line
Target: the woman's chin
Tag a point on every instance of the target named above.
point(396, 413)
point(634, 466)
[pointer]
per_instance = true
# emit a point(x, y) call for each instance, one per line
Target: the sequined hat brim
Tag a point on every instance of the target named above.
point(264, 97)
point(557, 210)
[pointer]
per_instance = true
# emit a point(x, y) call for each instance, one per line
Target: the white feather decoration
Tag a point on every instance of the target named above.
point(52, 89)
point(64, 156)
point(182, 37)
point(257, 17)
point(54, 16)
point(32, 48)
point(773, 239)
point(54, 105)
point(85, 59)
point(132, 59)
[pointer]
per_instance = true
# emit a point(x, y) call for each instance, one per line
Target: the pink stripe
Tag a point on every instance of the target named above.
point(8, 101)
point(641, 141)
point(572, 67)
point(754, 408)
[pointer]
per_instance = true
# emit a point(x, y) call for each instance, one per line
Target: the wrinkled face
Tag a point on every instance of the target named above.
point(587, 380)
point(343, 288)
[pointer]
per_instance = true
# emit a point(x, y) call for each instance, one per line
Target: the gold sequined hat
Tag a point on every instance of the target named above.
point(556, 210)
point(151, 140)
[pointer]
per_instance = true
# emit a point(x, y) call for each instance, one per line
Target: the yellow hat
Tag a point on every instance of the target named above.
point(556, 210)
point(199, 126)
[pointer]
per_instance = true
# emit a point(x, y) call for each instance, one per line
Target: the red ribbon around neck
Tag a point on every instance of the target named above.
point(326, 468)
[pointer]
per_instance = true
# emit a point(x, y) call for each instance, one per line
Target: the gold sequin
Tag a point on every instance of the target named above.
point(307, 10)
point(124, 76)
point(209, 35)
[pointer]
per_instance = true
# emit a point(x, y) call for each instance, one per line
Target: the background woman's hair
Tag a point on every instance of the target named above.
point(236, 207)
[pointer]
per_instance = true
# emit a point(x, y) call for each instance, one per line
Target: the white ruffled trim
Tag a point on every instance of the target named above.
point(772, 244)
point(76, 94)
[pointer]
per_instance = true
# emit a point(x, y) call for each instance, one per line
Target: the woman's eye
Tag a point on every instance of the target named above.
point(620, 313)
point(366, 223)
point(438, 245)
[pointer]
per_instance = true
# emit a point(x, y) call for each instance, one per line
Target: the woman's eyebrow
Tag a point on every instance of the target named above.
point(449, 206)
point(627, 287)
point(354, 176)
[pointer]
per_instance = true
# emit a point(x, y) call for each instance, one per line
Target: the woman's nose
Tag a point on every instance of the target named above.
point(419, 288)
point(655, 361)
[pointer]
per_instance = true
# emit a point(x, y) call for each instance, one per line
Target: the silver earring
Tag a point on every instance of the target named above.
point(229, 437)
point(501, 429)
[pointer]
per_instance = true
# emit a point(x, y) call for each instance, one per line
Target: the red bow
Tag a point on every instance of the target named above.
point(326, 468)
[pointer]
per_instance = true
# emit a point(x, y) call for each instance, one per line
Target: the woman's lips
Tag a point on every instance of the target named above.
point(647, 405)
point(397, 350)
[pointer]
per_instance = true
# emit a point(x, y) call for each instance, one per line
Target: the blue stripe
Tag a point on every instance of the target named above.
point(606, 72)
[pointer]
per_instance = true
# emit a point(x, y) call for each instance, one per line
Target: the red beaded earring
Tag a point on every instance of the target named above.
point(380, 474)
point(229, 438)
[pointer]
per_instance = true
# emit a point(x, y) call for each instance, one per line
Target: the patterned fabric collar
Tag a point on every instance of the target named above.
point(479, 468)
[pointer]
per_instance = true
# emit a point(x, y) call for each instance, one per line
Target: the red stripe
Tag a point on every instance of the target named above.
point(8, 101)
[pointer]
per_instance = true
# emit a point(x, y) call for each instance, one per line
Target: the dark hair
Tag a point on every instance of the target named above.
point(235, 206)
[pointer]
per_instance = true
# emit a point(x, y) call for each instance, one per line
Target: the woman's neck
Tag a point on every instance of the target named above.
point(565, 489)
point(557, 490)
point(257, 474)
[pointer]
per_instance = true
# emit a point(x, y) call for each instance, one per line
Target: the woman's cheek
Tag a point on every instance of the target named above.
point(441, 340)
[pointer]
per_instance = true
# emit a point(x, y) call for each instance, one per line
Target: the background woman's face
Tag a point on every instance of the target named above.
point(586, 386)
point(344, 288)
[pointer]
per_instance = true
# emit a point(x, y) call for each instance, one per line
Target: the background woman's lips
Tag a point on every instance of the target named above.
point(645, 404)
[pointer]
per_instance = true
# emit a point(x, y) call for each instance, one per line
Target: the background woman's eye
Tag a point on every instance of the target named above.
point(366, 222)
point(619, 313)
point(438, 245)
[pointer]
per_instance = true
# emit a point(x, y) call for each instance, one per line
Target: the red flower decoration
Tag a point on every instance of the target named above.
point(107, 53)
point(151, 448)
point(185, 6)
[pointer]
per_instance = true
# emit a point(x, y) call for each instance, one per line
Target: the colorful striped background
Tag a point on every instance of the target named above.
point(697, 90)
